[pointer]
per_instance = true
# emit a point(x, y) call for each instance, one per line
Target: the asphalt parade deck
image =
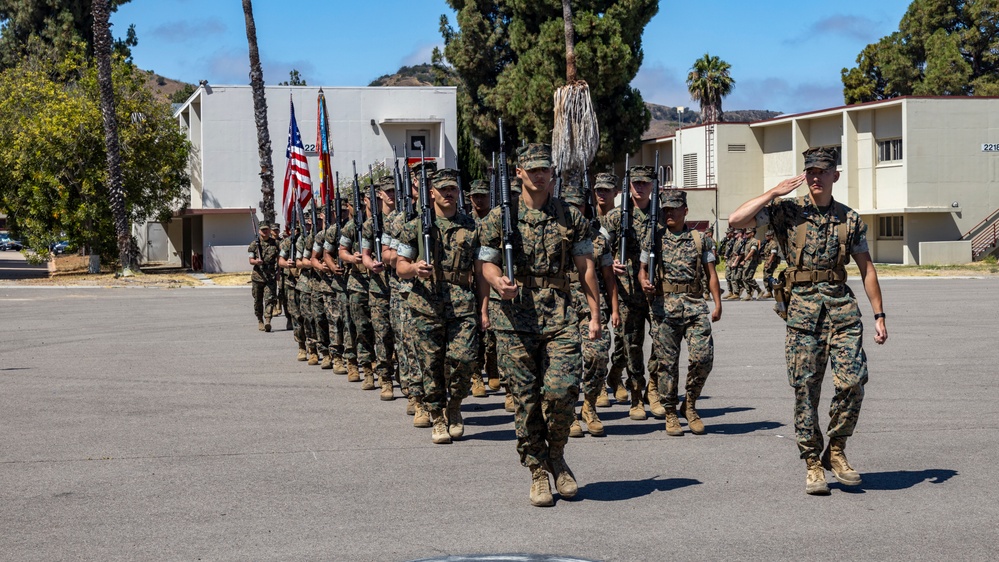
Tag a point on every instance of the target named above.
point(155, 424)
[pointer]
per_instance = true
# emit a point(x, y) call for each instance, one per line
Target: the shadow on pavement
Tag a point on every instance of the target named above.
point(619, 490)
point(717, 412)
point(495, 435)
point(897, 480)
point(742, 428)
point(498, 419)
point(646, 427)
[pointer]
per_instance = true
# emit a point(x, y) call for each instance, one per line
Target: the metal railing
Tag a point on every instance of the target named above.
point(984, 236)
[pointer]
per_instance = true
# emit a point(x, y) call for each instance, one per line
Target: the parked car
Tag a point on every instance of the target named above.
point(60, 247)
point(9, 244)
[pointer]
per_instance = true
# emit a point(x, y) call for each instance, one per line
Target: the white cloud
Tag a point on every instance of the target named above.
point(420, 55)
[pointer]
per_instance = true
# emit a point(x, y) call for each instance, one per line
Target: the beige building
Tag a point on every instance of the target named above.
point(920, 171)
point(366, 126)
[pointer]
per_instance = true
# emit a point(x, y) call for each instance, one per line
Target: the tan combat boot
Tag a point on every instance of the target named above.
point(834, 459)
point(673, 424)
point(260, 323)
point(815, 480)
point(411, 406)
point(352, 374)
point(455, 425)
point(637, 410)
point(302, 355)
point(369, 378)
point(313, 356)
point(767, 295)
point(603, 400)
point(541, 489)
point(494, 382)
point(565, 482)
point(748, 297)
point(327, 362)
point(589, 414)
point(693, 420)
point(478, 387)
point(387, 393)
point(421, 417)
point(440, 435)
point(617, 386)
point(575, 430)
point(508, 402)
point(655, 406)
point(339, 366)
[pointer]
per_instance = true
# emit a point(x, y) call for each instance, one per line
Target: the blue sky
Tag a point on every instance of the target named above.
point(785, 55)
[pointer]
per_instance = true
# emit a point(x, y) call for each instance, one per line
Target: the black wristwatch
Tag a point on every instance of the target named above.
point(879, 315)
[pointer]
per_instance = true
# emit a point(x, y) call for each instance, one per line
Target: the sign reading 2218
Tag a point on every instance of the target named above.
point(990, 147)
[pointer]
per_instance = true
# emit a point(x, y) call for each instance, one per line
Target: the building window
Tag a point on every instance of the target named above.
point(890, 227)
point(890, 150)
point(690, 170)
point(418, 138)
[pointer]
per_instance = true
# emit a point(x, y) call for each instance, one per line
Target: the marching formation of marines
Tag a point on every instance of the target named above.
point(520, 288)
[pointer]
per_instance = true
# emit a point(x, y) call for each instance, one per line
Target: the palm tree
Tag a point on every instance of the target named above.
point(708, 82)
point(101, 11)
point(260, 116)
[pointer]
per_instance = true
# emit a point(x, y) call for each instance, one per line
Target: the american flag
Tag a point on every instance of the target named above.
point(323, 145)
point(297, 181)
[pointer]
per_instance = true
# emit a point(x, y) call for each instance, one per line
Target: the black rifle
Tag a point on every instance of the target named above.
point(300, 217)
point(461, 197)
point(591, 198)
point(492, 184)
point(337, 218)
point(557, 192)
point(507, 212)
point(408, 180)
point(255, 225)
point(358, 209)
point(625, 208)
point(376, 217)
point(426, 210)
point(654, 219)
point(397, 176)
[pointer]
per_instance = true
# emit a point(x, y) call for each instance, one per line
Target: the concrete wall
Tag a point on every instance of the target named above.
point(945, 253)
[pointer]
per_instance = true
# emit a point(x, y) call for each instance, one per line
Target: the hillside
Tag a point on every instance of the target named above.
point(170, 91)
point(419, 75)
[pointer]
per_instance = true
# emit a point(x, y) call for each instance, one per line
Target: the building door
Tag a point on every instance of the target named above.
point(157, 243)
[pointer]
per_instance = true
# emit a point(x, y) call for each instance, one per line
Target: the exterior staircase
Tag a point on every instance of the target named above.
point(984, 237)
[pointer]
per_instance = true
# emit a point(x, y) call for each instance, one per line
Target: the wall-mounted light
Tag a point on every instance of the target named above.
point(954, 204)
point(373, 123)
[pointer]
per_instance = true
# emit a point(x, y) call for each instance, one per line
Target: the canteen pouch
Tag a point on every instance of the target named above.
point(779, 285)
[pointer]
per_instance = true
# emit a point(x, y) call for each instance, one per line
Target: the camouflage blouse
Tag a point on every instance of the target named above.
point(266, 272)
point(628, 288)
point(357, 275)
point(453, 255)
point(542, 247)
point(821, 249)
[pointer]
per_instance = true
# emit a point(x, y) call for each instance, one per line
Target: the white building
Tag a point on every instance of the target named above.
point(920, 171)
point(366, 124)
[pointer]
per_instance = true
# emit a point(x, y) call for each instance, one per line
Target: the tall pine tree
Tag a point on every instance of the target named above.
point(510, 58)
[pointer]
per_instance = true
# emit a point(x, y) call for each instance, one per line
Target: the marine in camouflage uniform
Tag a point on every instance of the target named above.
point(342, 331)
point(357, 296)
point(594, 352)
point(320, 291)
point(263, 252)
point(678, 309)
point(327, 284)
point(749, 264)
point(304, 287)
point(379, 290)
point(536, 322)
point(819, 236)
point(633, 304)
point(734, 265)
point(771, 257)
point(731, 242)
point(709, 242)
point(479, 195)
point(606, 188)
point(442, 305)
point(287, 263)
point(398, 292)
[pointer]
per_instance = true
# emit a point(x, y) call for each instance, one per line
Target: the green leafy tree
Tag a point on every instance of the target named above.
point(51, 28)
point(942, 47)
point(709, 81)
point(509, 56)
point(53, 162)
point(294, 79)
point(181, 95)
